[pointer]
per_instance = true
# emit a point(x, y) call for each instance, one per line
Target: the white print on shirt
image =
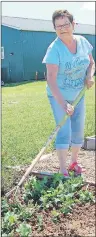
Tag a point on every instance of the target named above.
point(75, 72)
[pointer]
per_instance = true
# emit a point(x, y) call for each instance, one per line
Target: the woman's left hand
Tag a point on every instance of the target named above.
point(89, 82)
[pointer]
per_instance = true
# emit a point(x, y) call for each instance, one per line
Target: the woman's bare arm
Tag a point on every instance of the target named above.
point(52, 71)
point(90, 73)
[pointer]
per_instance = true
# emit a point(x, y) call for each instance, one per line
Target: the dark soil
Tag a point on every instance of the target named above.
point(79, 223)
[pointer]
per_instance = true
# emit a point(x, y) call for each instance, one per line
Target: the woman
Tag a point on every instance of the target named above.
point(70, 66)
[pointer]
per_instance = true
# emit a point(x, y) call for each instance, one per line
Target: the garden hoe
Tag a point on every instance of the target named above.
point(52, 136)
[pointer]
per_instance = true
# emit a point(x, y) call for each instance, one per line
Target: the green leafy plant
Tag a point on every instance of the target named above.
point(9, 221)
point(16, 207)
point(5, 206)
point(86, 196)
point(40, 222)
point(34, 188)
point(24, 230)
point(25, 215)
point(55, 216)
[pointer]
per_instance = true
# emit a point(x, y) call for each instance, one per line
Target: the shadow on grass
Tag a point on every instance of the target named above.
point(22, 83)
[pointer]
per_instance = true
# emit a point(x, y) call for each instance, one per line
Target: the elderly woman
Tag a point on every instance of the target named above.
point(70, 66)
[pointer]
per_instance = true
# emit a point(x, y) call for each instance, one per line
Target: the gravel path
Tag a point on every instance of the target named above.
point(86, 159)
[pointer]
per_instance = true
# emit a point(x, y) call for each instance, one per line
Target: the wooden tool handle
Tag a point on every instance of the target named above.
point(46, 144)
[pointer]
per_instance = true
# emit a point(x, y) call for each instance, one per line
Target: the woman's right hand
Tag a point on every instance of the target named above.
point(69, 109)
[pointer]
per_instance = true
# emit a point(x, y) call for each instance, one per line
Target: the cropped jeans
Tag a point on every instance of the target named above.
point(72, 132)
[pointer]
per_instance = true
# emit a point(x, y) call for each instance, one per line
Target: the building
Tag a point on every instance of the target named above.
point(24, 43)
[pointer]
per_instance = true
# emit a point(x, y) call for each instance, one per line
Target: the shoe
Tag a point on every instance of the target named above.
point(66, 175)
point(78, 170)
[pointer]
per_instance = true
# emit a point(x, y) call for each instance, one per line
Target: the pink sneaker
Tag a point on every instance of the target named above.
point(76, 168)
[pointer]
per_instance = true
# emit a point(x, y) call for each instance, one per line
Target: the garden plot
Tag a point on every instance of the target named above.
point(55, 206)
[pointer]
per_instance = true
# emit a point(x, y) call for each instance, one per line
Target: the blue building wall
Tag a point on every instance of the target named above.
point(92, 40)
point(34, 48)
point(12, 64)
point(24, 51)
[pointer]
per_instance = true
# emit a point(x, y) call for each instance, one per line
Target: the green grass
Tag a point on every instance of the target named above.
point(27, 121)
point(90, 112)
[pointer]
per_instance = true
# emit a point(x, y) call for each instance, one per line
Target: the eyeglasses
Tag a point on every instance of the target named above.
point(62, 26)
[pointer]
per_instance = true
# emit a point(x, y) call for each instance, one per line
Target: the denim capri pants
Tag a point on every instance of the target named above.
point(72, 132)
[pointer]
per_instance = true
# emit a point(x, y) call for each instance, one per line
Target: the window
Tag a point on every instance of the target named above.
point(2, 52)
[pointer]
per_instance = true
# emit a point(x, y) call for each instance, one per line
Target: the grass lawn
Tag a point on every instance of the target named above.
point(27, 121)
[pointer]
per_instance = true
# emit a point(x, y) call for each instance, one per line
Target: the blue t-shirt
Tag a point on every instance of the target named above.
point(72, 67)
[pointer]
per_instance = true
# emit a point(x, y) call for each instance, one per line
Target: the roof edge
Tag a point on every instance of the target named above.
point(10, 26)
point(41, 19)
